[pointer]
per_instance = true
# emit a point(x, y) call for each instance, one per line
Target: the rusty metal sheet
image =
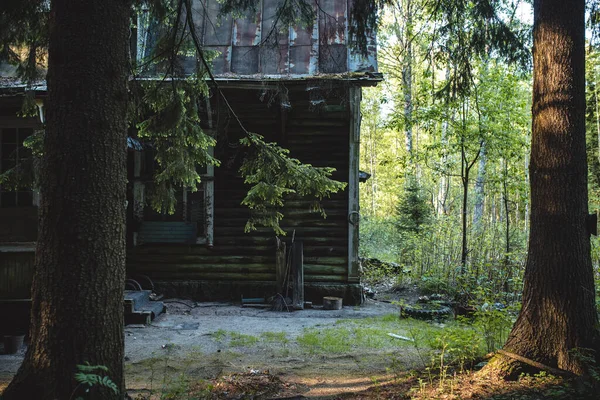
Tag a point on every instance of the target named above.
point(244, 60)
point(357, 61)
point(199, 16)
point(222, 62)
point(247, 30)
point(333, 58)
point(274, 59)
point(217, 31)
point(301, 35)
point(274, 41)
point(257, 44)
point(300, 59)
point(332, 22)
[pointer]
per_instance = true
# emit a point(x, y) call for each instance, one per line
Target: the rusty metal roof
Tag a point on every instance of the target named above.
point(255, 46)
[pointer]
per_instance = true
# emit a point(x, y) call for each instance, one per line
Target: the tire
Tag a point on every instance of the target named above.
point(426, 314)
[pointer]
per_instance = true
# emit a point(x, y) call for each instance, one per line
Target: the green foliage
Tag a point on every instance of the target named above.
point(24, 174)
point(379, 239)
point(273, 175)
point(288, 13)
point(171, 125)
point(454, 345)
point(24, 36)
point(413, 209)
point(88, 376)
point(429, 284)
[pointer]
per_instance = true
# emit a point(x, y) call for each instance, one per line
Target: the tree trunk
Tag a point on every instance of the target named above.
point(465, 202)
point(407, 79)
point(507, 263)
point(558, 318)
point(479, 191)
point(77, 309)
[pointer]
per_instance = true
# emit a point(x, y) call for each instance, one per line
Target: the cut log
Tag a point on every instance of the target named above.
point(332, 303)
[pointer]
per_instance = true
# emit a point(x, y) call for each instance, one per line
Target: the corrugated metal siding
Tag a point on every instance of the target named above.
point(257, 43)
point(314, 136)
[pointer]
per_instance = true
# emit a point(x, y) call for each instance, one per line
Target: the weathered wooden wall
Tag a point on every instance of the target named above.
point(316, 132)
point(16, 274)
point(18, 225)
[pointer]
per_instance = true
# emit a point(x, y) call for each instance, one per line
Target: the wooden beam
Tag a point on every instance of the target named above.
point(280, 266)
point(353, 201)
point(298, 274)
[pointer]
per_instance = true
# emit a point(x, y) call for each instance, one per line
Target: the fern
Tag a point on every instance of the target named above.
point(88, 377)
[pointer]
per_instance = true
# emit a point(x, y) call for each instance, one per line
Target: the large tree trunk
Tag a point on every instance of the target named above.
point(558, 314)
point(77, 310)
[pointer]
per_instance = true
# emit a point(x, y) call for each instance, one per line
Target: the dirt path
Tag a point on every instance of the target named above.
point(309, 351)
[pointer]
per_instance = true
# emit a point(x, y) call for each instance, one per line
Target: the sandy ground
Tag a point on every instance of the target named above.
point(207, 340)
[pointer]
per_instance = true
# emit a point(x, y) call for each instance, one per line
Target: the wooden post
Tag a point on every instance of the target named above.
point(353, 206)
point(298, 275)
point(280, 266)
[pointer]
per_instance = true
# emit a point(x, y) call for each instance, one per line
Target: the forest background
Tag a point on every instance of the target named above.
point(448, 197)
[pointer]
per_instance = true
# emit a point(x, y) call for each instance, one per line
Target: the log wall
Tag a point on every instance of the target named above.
point(16, 275)
point(315, 132)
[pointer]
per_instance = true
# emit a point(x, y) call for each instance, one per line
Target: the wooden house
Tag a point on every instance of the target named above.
point(304, 93)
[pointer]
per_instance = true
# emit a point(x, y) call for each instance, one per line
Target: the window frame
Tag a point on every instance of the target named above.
point(207, 186)
point(32, 193)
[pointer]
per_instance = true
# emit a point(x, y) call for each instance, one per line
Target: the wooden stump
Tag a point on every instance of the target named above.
point(332, 303)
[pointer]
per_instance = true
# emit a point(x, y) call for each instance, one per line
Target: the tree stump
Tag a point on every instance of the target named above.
point(332, 303)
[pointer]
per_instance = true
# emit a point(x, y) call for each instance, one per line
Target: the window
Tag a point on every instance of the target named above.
point(192, 221)
point(12, 153)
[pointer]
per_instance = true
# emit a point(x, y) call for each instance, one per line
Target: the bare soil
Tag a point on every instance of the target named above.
point(225, 351)
point(195, 342)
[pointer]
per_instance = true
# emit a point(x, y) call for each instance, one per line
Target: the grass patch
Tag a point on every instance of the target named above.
point(349, 334)
point(234, 339)
point(274, 337)
point(219, 335)
point(242, 340)
point(459, 342)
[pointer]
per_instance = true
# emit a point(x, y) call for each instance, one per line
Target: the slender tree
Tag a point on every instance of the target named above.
point(558, 322)
point(77, 297)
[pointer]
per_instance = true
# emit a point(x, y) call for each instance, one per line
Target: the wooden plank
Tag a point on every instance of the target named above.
point(320, 269)
point(324, 260)
point(325, 278)
point(280, 266)
point(353, 198)
point(298, 275)
point(231, 231)
point(198, 259)
point(16, 275)
point(328, 243)
point(200, 268)
point(314, 221)
point(212, 276)
point(194, 249)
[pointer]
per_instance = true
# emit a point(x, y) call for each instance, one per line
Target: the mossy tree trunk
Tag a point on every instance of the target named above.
point(77, 309)
point(558, 314)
